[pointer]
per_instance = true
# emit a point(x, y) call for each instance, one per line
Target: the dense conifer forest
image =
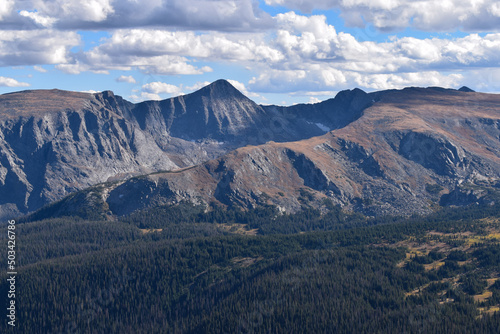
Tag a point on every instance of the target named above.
point(186, 269)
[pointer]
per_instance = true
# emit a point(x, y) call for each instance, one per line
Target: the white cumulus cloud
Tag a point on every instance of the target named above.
point(427, 15)
point(126, 78)
point(40, 69)
point(159, 87)
point(77, 11)
point(289, 53)
point(197, 86)
point(226, 15)
point(6, 7)
point(304, 54)
point(34, 47)
point(43, 21)
point(10, 82)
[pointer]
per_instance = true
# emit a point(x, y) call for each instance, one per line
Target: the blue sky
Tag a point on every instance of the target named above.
point(274, 51)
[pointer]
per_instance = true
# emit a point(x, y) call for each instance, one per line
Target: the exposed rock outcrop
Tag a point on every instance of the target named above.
point(54, 142)
point(390, 152)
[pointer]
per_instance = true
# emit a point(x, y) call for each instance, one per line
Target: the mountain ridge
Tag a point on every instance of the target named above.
point(407, 153)
point(55, 142)
point(373, 152)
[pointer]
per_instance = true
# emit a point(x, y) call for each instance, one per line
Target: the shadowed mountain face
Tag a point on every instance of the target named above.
point(55, 142)
point(390, 152)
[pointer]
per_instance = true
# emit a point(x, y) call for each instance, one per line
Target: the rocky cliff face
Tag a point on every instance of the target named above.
point(48, 151)
point(401, 154)
point(53, 143)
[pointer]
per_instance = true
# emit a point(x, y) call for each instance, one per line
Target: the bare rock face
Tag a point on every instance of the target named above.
point(47, 151)
point(390, 152)
point(54, 142)
point(405, 151)
point(434, 152)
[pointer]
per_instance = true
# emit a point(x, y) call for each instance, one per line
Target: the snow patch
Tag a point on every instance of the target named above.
point(322, 127)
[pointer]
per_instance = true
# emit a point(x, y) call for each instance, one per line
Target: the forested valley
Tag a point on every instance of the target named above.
point(185, 269)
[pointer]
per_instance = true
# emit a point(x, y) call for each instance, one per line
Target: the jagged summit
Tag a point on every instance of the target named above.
point(220, 89)
point(466, 89)
point(217, 111)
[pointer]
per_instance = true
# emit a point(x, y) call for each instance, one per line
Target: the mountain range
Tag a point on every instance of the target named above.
point(388, 152)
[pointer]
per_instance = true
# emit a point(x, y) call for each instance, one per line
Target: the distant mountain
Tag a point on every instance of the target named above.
point(404, 152)
point(53, 142)
point(465, 89)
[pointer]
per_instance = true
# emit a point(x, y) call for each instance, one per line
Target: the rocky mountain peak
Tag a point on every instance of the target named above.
point(466, 89)
point(218, 111)
point(108, 94)
point(220, 89)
